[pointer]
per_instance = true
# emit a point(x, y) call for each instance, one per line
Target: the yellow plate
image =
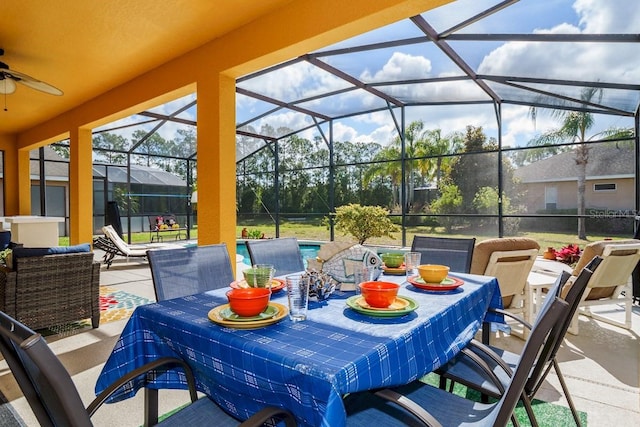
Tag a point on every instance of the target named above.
point(398, 304)
point(216, 317)
point(276, 284)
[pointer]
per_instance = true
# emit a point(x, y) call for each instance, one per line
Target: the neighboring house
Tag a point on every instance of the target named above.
point(552, 183)
point(159, 191)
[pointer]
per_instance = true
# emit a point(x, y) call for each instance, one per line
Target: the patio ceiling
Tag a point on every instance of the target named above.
point(86, 48)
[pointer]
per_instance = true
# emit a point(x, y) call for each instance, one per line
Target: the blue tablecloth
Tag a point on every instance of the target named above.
point(306, 367)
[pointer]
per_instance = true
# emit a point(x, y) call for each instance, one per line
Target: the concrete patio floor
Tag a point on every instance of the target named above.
point(600, 365)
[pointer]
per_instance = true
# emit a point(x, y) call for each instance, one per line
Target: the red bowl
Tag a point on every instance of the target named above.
point(248, 302)
point(379, 294)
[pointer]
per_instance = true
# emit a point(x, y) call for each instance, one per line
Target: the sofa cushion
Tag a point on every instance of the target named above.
point(22, 252)
point(483, 250)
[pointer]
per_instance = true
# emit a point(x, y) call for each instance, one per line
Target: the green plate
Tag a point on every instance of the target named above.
point(268, 313)
point(352, 303)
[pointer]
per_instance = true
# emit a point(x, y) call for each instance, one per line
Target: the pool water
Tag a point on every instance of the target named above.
point(308, 250)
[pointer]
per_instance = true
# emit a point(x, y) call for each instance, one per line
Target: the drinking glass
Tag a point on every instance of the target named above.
point(411, 262)
point(365, 273)
point(263, 275)
point(298, 296)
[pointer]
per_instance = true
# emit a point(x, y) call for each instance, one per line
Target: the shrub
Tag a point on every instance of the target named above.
point(363, 222)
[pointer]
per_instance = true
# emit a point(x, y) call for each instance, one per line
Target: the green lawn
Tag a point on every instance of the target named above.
point(304, 231)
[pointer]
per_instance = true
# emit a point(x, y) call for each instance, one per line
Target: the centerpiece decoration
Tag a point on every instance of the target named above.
point(321, 285)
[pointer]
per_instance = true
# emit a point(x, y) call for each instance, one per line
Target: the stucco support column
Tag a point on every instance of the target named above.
point(81, 187)
point(217, 162)
point(8, 145)
point(24, 182)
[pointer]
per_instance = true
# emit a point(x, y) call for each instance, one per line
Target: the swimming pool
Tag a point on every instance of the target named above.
point(308, 250)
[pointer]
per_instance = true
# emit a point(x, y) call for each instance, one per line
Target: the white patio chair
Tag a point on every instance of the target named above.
point(607, 284)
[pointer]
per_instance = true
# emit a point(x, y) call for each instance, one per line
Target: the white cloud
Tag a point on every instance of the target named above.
point(399, 67)
point(382, 135)
point(611, 16)
point(294, 82)
point(575, 61)
point(342, 132)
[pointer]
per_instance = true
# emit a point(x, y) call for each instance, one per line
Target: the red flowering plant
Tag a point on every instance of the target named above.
point(569, 254)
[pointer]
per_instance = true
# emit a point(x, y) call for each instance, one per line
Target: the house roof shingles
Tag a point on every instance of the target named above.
point(606, 160)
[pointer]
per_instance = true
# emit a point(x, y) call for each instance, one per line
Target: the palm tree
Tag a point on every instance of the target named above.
point(393, 169)
point(574, 126)
point(412, 136)
point(386, 163)
point(433, 144)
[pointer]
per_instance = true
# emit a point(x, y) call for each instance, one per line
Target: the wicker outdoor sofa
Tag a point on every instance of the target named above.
point(48, 290)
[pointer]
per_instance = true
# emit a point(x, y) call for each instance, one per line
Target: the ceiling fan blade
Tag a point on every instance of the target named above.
point(32, 83)
point(7, 85)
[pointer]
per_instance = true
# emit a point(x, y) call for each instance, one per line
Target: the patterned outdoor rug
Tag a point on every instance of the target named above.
point(114, 305)
point(117, 305)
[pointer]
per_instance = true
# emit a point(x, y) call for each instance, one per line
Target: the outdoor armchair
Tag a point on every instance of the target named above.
point(611, 283)
point(510, 260)
point(43, 288)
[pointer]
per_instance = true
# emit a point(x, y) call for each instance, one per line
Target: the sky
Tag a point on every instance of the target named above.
point(619, 63)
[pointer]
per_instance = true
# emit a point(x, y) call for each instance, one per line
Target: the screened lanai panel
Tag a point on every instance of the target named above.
point(119, 175)
point(248, 108)
point(248, 145)
point(297, 81)
point(156, 177)
point(398, 63)
point(279, 123)
point(451, 14)
point(341, 104)
point(524, 16)
point(473, 174)
point(619, 99)
point(564, 97)
point(181, 108)
point(452, 119)
point(574, 61)
point(531, 16)
point(437, 92)
point(404, 29)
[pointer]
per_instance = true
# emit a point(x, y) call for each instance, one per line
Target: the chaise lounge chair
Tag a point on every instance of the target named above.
point(112, 245)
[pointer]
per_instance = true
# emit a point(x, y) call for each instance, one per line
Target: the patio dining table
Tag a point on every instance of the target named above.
point(306, 367)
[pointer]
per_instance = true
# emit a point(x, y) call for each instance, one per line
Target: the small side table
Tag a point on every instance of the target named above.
point(543, 275)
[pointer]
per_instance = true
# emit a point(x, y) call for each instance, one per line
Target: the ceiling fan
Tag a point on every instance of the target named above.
point(8, 79)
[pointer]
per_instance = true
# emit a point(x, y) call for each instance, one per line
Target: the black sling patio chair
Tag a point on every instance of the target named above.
point(178, 272)
point(55, 400)
point(454, 252)
point(283, 253)
point(463, 368)
point(419, 404)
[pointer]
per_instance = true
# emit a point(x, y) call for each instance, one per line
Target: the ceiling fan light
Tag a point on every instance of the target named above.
point(7, 86)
